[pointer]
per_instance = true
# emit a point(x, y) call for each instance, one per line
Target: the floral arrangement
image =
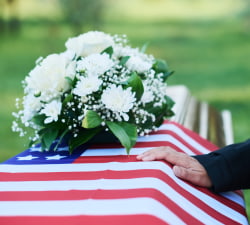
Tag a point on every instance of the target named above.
point(99, 84)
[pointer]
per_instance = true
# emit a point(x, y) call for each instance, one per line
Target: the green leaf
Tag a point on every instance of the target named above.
point(170, 102)
point(67, 99)
point(131, 131)
point(136, 84)
point(70, 81)
point(60, 139)
point(109, 50)
point(91, 120)
point(160, 66)
point(39, 119)
point(126, 133)
point(48, 136)
point(166, 75)
point(123, 60)
point(37, 94)
point(84, 136)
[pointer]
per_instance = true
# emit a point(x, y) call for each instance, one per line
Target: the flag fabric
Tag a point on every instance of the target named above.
point(101, 184)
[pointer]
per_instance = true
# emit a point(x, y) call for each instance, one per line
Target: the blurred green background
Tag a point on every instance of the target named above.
point(206, 42)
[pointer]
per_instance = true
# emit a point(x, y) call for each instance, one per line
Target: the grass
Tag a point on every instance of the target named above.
point(209, 56)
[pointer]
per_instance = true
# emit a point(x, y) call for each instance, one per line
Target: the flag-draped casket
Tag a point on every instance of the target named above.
point(101, 184)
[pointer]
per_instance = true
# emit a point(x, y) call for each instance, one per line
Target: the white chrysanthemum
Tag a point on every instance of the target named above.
point(31, 105)
point(120, 51)
point(89, 43)
point(48, 78)
point(87, 85)
point(95, 64)
point(118, 100)
point(136, 63)
point(52, 110)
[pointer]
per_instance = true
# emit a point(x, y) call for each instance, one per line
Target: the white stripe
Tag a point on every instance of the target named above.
point(91, 207)
point(116, 166)
point(83, 167)
point(186, 137)
point(108, 185)
point(46, 168)
point(136, 151)
point(236, 197)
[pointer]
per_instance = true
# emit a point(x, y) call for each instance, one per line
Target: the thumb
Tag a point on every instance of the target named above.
point(186, 174)
point(193, 176)
point(181, 172)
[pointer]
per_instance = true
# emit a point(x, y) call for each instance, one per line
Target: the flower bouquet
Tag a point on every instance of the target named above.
point(99, 84)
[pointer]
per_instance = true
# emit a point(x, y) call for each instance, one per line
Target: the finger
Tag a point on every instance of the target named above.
point(197, 177)
point(147, 156)
point(179, 158)
point(152, 154)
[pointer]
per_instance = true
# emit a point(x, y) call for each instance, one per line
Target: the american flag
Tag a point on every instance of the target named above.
point(101, 184)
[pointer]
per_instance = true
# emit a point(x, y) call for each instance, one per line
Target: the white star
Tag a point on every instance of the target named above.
point(35, 149)
point(28, 157)
point(55, 157)
point(66, 148)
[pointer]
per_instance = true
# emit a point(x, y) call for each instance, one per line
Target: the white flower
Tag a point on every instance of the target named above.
point(147, 95)
point(89, 43)
point(95, 64)
point(31, 105)
point(136, 63)
point(118, 100)
point(52, 110)
point(87, 85)
point(48, 77)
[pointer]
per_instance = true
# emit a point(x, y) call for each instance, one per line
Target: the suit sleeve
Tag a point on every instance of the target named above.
point(228, 167)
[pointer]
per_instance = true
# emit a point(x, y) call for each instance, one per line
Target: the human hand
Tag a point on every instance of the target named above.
point(185, 166)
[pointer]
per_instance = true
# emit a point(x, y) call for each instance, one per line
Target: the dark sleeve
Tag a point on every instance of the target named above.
point(228, 167)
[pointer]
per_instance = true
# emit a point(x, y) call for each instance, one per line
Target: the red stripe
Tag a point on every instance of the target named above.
point(85, 175)
point(205, 143)
point(102, 194)
point(108, 174)
point(80, 220)
point(184, 142)
point(106, 158)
